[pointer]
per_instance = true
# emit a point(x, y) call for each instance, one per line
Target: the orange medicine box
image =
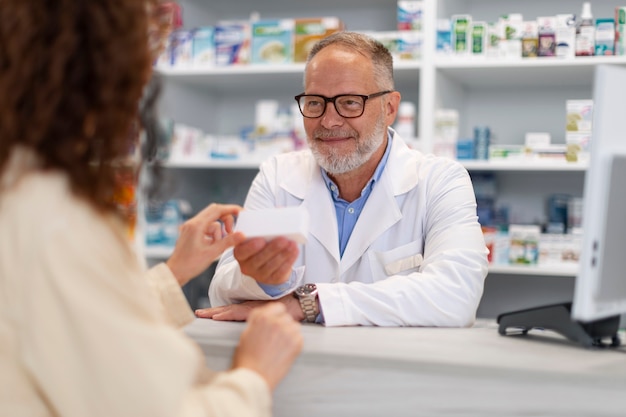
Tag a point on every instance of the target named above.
point(308, 31)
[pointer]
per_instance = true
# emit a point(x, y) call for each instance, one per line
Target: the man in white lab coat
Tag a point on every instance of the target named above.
point(394, 238)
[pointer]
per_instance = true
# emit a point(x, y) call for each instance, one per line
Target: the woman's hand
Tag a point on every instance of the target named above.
point(270, 343)
point(202, 239)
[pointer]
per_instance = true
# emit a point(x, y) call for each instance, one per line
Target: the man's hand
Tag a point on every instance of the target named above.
point(268, 262)
point(241, 311)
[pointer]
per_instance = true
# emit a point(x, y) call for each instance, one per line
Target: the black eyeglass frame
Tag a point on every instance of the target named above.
point(334, 100)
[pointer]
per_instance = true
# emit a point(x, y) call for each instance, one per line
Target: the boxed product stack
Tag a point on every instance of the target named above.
point(232, 42)
point(163, 221)
point(605, 37)
point(251, 41)
point(446, 132)
point(272, 41)
point(308, 31)
point(460, 27)
point(179, 49)
point(563, 35)
point(578, 129)
point(620, 30)
point(510, 35)
point(524, 244)
point(404, 43)
point(203, 46)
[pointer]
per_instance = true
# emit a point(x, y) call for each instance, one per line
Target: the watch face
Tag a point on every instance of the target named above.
point(306, 289)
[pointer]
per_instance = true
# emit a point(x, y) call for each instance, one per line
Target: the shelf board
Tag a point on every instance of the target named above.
point(470, 165)
point(157, 251)
point(536, 72)
point(567, 270)
point(244, 163)
point(214, 71)
point(523, 165)
point(241, 77)
point(235, 77)
point(255, 69)
point(164, 252)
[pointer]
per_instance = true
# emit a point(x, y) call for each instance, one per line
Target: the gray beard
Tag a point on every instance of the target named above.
point(334, 162)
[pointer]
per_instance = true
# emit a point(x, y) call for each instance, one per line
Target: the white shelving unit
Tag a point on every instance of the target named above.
point(512, 96)
point(553, 271)
point(539, 165)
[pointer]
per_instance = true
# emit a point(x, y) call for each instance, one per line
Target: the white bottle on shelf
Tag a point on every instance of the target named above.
point(406, 125)
point(585, 32)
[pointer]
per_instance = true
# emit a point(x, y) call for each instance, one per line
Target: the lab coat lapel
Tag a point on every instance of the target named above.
point(323, 225)
point(380, 213)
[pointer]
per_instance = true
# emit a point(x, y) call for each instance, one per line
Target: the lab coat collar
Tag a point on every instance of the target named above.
point(402, 167)
point(304, 181)
point(382, 211)
point(379, 214)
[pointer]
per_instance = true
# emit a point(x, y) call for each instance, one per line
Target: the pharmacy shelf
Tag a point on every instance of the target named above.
point(234, 79)
point(471, 165)
point(157, 251)
point(545, 71)
point(512, 97)
point(236, 163)
point(239, 78)
point(521, 164)
point(566, 270)
point(231, 70)
point(164, 252)
point(256, 69)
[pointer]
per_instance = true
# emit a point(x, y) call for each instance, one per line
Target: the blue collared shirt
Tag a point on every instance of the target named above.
point(347, 214)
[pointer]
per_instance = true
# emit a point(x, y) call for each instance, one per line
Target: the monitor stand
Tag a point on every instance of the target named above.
point(557, 317)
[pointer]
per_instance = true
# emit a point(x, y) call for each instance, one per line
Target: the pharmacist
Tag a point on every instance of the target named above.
point(394, 238)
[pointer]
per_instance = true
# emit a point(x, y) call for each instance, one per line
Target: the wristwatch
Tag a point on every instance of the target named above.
point(307, 295)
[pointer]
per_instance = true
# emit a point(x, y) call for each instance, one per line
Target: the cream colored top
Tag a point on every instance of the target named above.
point(82, 331)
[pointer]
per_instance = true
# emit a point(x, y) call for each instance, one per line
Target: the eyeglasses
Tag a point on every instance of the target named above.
point(348, 106)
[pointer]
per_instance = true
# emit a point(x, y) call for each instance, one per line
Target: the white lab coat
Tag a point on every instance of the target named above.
point(416, 257)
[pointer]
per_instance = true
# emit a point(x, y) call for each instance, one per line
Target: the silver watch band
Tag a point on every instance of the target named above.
point(308, 305)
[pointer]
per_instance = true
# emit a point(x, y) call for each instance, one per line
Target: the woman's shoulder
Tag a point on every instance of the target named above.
point(44, 203)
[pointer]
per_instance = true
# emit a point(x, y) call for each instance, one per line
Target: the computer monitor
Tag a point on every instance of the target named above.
point(593, 317)
point(600, 289)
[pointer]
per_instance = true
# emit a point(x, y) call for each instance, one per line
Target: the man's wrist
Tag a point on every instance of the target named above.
point(293, 306)
point(307, 297)
point(274, 290)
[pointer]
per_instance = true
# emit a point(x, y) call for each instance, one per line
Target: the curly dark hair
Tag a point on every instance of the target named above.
point(72, 73)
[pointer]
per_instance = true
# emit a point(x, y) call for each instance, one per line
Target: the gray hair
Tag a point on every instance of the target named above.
point(365, 45)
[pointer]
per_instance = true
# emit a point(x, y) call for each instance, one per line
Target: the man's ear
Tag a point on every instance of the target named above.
point(391, 107)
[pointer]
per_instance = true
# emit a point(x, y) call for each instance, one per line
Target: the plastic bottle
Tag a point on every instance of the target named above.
point(585, 32)
point(406, 124)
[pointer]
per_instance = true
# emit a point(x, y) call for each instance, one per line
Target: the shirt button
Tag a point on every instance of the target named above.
point(332, 187)
point(351, 210)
